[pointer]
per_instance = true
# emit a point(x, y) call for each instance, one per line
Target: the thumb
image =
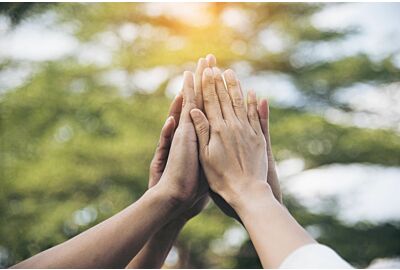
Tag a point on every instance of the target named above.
point(160, 158)
point(201, 126)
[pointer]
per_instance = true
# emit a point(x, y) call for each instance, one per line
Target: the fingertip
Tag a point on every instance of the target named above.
point(188, 78)
point(171, 121)
point(230, 75)
point(216, 71)
point(195, 112)
point(187, 74)
point(208, 72)
point(169, 127)
point(178, 96)
point(202, 63)
point(211, 60)
point(251, 95)
point(263, 108)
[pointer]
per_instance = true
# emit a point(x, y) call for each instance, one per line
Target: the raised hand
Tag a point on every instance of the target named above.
point(180, 178)
point(232, 146)
point(126, 233)
point(263, 111)
point(156, 249)
point(160, 158)
point(233, 154)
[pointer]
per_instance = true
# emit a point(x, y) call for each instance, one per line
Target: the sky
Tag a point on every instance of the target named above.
point(363, 192)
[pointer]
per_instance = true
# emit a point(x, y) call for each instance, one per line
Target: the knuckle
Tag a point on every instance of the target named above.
point(202, 128)
point(253, 114)
point(209, 96)
point(235, 125)
point(232, 83)
point(217, 129)
point(252, 103)
point(218, 79)
point(224, 97)
point(237, 102)
point(209, 80)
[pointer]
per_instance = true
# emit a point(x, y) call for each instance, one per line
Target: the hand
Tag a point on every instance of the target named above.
point(272, 176)
point(231, 143)
point(160, 158)
point(180, 178)
point(263, 112)
point(156, 249)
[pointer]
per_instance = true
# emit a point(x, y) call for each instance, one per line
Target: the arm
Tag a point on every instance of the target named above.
point(107, 244)
point(273, 231)
point(156, 249)
point(113, 242)
point(240, 178)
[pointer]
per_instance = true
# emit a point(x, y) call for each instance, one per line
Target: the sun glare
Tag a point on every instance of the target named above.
point(194, 14)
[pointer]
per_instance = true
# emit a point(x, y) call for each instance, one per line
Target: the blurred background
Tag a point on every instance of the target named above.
point(85, 89)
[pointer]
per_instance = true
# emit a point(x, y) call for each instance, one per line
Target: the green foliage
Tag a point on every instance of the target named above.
point(76, 149)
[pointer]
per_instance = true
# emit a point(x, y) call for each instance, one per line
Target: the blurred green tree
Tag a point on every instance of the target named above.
point(76, 145)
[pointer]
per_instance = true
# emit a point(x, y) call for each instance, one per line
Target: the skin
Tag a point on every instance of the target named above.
point(157, 248)
point(233, 155)
point(182, 194)
point(112, 243)
point(263, 112)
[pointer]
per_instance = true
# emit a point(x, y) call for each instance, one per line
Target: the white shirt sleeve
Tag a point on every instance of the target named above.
point(314, 256)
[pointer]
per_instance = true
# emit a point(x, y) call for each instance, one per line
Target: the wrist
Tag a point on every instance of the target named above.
point(250, 197)
point(167, 200)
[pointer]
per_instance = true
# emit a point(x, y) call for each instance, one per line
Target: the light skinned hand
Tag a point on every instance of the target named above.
point(232, 147)
point(272, 176)
point(263, 111)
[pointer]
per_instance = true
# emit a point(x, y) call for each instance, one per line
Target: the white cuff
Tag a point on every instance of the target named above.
point(314, 256)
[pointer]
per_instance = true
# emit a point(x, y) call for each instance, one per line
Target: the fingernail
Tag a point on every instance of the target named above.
point(230, 75)
point(201, 60)
point(216, 70)
point(208, 72)
point(169, 119)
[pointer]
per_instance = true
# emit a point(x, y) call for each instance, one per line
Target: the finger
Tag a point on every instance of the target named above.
point(223, 95)
point(176, 108)
point(240, 88)
point(210, 98)
point(202, 128)
point(211, 60)
point(252, 113)
point(236, 97)
point(189, 102)
point(201, 65)
point(263, 112)
point(160, 158)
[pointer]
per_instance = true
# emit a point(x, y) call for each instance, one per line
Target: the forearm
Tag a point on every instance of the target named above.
point(111, 243)
point(273, 231)
point(155, 251)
